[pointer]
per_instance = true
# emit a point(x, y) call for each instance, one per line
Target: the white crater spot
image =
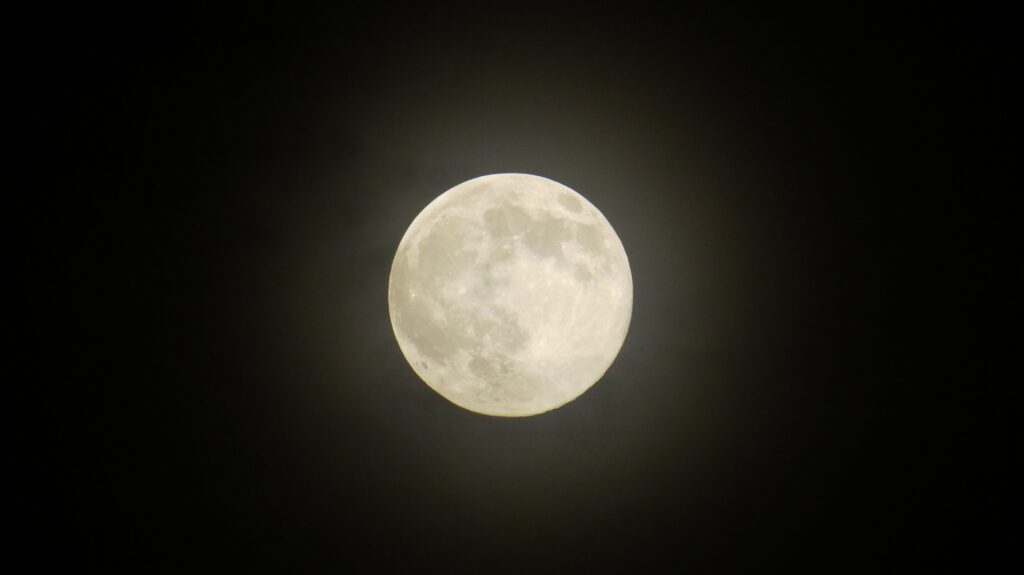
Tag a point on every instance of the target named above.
point(510, 295)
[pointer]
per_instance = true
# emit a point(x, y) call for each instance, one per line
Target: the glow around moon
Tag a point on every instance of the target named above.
point(510, 295)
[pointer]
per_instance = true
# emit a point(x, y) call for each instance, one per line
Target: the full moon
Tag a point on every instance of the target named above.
point(510, 295)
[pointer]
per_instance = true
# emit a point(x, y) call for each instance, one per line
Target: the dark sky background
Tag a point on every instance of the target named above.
point(244, 179)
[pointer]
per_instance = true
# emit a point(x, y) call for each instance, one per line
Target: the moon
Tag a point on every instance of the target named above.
point(510, 295)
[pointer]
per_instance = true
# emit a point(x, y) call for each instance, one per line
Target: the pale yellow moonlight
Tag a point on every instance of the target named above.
point(510, 295)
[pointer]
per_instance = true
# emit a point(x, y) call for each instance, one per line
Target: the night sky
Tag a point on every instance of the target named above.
point(244, 179)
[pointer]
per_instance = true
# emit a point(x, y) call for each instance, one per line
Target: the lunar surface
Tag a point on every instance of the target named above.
point(510, 295)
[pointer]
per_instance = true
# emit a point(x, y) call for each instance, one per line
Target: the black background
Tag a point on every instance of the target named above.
point(243, 180)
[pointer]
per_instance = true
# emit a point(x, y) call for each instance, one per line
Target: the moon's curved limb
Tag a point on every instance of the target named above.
point(510, 295)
